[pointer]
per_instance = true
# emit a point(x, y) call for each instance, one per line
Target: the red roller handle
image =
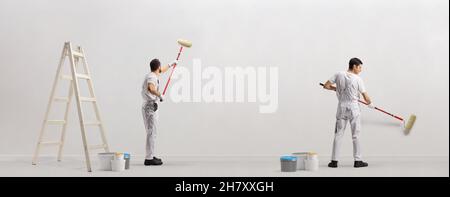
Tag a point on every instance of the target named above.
point(379, 109)
point(168, 81)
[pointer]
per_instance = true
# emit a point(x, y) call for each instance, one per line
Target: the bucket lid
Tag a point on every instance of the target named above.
point(107, 153)
point(300, 153)
point(288, 158)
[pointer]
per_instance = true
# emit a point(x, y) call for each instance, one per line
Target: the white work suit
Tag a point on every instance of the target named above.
point(150, 113)
point(349, 87)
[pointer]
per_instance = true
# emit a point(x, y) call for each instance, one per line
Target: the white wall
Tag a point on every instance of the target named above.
point(403, 44)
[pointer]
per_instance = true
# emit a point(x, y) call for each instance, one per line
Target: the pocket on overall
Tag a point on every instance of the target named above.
point(151, 107)
point(155, 106)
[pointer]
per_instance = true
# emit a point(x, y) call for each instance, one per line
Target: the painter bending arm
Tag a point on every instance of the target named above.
point(329, 86)
point(166, 67)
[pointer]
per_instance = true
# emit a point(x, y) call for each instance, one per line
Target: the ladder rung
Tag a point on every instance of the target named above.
point(100, 146)
point(50, 143)
point(77, 54)
point(83, 76)
point(92, 123)
point(66, 77)
point(62, 99)
point(87, 99)
point(56, 122)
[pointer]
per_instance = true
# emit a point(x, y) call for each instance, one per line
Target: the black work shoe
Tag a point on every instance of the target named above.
point(333, 164)
point(360, 164)
point(156, 158)
point(152, 162)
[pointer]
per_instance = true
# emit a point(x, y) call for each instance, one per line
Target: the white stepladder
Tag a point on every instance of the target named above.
point(75, 55)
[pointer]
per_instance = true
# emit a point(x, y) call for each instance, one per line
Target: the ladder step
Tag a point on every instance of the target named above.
point(56, 122)
point(77, 54)
point(50, 143)
point(62, 99)
point(66, 77)
point(94, 147)
point(83, 76)
point(92, 123)
point(87, 99)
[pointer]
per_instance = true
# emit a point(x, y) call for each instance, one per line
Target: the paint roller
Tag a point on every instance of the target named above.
point(182, 43)
point(407, 126)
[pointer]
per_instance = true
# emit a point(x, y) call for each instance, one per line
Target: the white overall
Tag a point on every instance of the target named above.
point(348, 89)
point(150, 114)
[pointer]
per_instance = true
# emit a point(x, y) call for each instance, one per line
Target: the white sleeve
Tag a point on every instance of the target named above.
point(361, 87)
point(152, 80)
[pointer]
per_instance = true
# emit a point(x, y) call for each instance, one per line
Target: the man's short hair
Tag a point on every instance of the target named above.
point(354, 62)
point(155, 64)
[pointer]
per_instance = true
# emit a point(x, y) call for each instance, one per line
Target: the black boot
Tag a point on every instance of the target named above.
point(152, 162)
point(360, 164)
point(333, 164)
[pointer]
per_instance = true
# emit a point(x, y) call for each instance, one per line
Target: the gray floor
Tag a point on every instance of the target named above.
point(226, 167)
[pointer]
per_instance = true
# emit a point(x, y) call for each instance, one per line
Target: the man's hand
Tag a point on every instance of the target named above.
point(371, 106)
point(173, 63)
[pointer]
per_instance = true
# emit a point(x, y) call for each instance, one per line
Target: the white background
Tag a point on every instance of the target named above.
point(403, 44)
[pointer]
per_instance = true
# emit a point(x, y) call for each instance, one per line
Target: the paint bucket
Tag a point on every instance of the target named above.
point(301, 157)
point(288, 163)
point(117, 165)
point(105, 161)
point(312, 162)
point(127, 157)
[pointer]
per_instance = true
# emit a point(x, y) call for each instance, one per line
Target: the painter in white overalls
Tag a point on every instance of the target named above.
point(151, 95)
point(348, 86)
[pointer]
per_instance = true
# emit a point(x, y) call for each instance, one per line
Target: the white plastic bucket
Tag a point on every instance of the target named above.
point(105, 161)
point(118, 165)
point(312, 162)
point(301, 157)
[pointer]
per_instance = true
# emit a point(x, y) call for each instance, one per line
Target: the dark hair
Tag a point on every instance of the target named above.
point(155, 64)
point(354, 62)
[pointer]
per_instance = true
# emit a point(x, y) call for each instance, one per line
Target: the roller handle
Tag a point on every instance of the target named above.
point(168, 81)
point(379, 109)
